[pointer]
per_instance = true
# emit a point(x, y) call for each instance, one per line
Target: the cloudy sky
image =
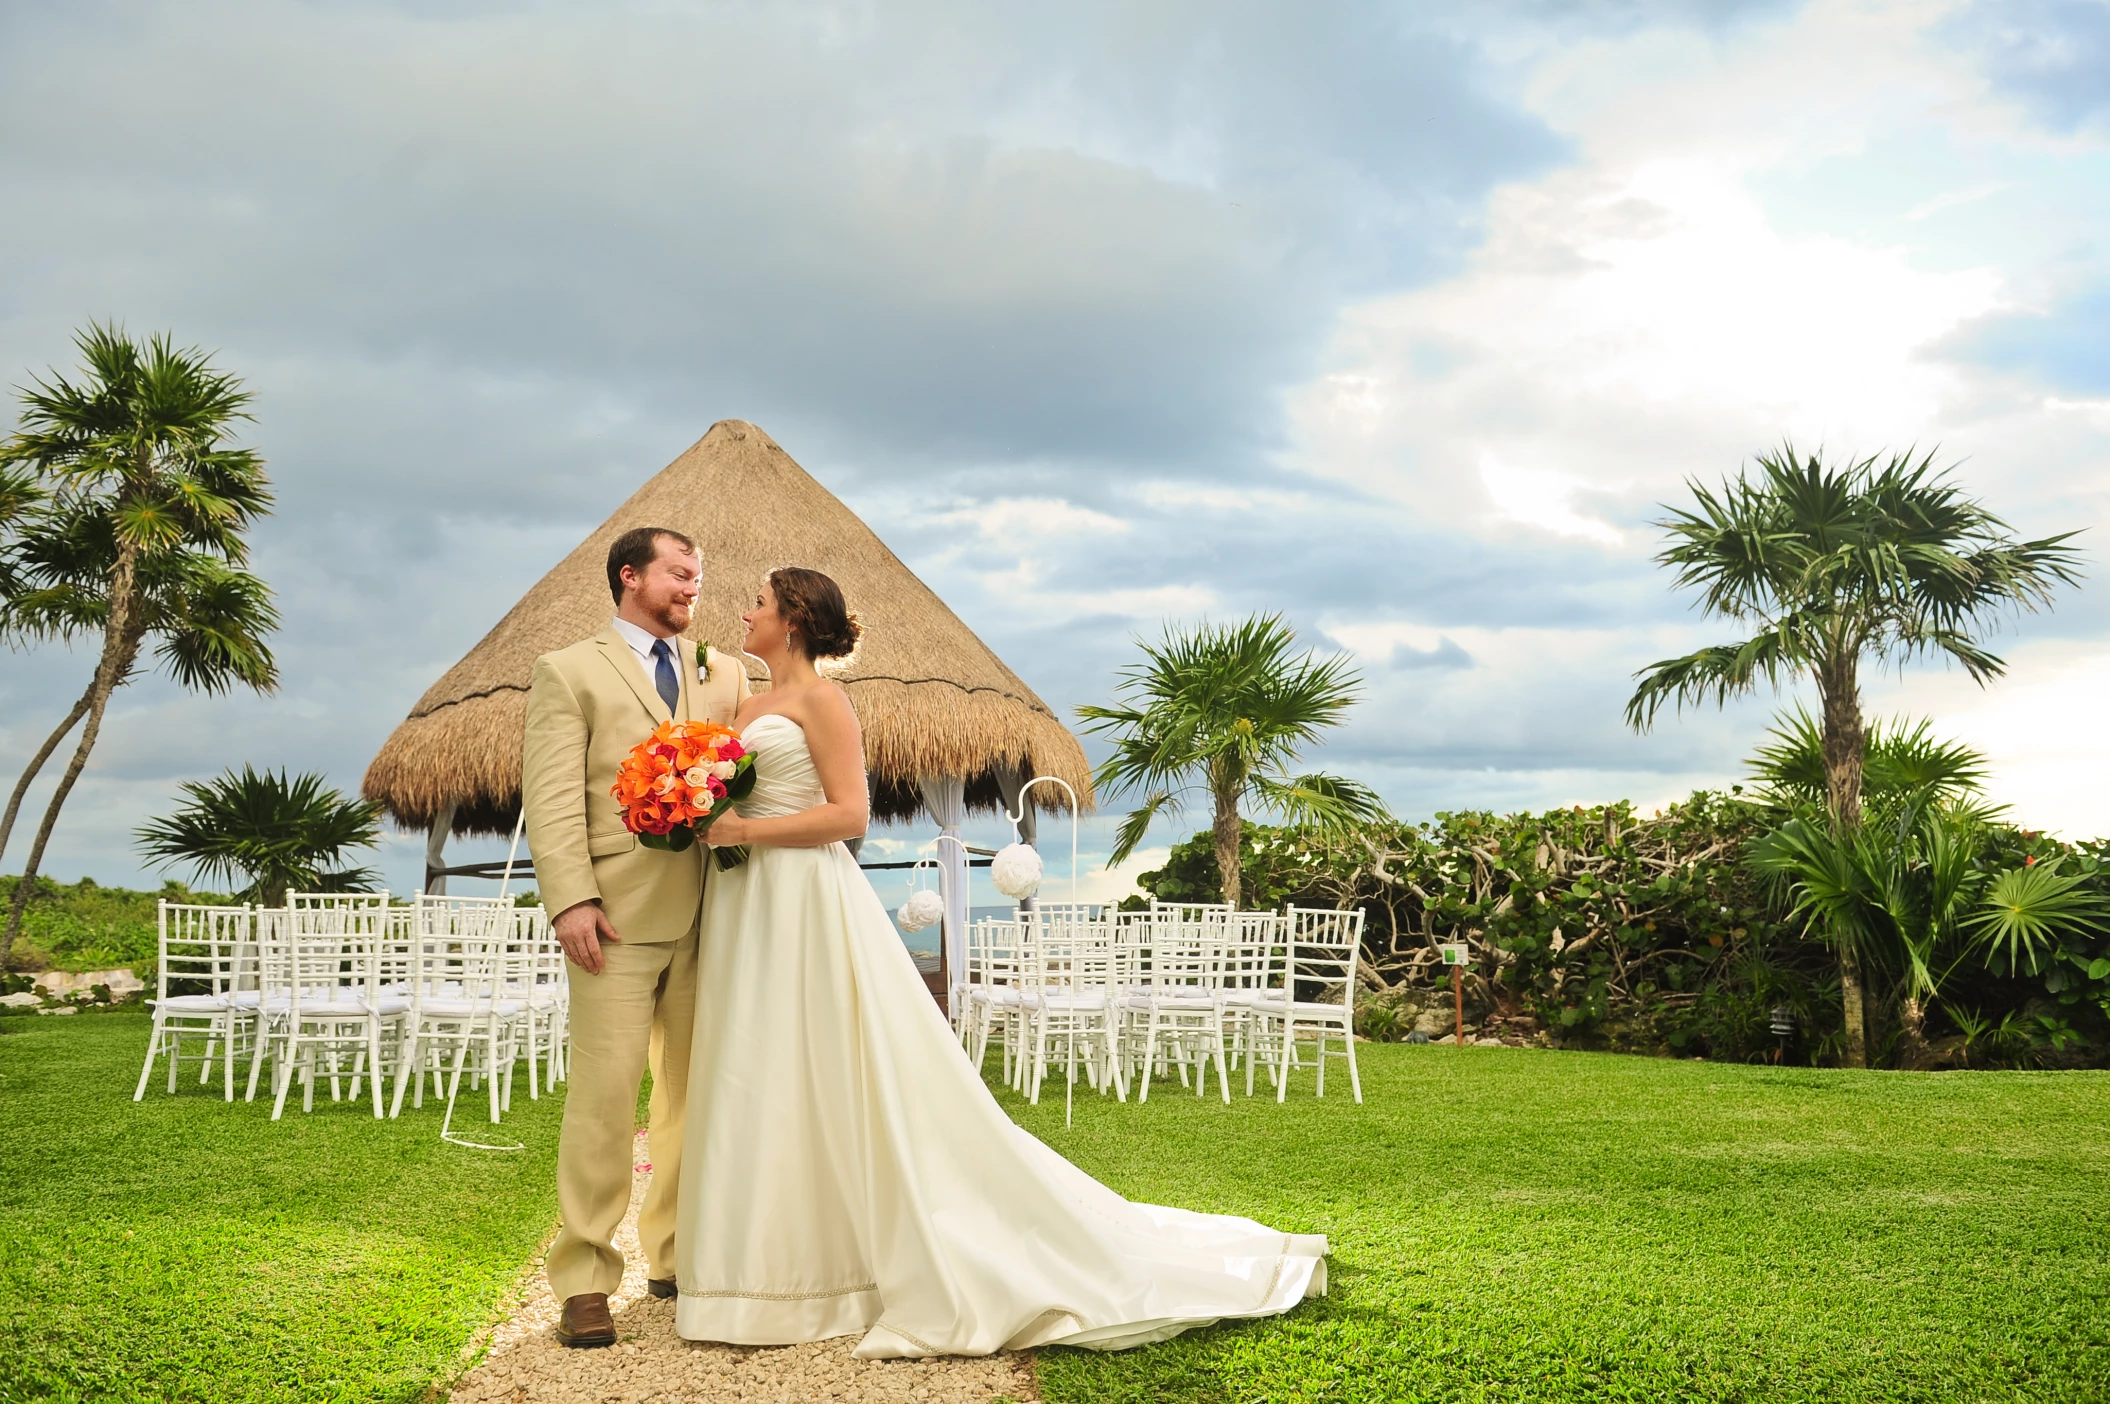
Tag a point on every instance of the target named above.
point(1401, 320)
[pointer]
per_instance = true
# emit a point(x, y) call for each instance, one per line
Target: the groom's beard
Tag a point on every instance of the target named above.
point(674, 616)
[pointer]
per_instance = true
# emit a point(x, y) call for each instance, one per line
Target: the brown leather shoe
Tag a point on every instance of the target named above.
point(586, 1322)
point(662, 1287)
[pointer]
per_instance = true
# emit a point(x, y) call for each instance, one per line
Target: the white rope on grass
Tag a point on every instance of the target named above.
point(452, 1138)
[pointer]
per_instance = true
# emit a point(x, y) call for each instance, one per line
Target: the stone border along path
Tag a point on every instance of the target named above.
point(649, 1364)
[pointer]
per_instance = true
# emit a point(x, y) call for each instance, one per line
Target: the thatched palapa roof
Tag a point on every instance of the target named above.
point(931, 697)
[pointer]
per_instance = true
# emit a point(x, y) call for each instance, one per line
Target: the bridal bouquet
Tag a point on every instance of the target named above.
point(676, 781)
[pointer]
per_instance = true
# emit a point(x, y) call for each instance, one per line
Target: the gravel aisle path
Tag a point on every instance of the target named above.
point(525, 1365)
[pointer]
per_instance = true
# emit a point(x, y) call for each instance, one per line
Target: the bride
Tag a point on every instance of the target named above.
point(845, 1169)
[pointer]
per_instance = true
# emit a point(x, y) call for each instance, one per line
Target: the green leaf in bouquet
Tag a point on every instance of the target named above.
point(679, 839)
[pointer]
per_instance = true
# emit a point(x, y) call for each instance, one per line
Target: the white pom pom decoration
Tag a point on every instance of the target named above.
point(1015, 871)
point(924, 907)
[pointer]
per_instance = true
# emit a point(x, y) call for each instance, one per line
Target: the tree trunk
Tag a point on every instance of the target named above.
point(1855, 1000)
point(1844, 744)
point(1227, 830)
point(1912, 1036)
point(36, 764)
point(120, 643)
point(1839, 684)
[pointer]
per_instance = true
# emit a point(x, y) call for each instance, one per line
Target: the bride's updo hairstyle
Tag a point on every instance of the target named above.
point(812, 604)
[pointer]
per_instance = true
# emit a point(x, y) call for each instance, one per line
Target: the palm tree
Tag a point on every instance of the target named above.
point(1893, 892)
point(278, 833)
point(148, 502)
point(1909, 892)
point(1831, 567)
point(210, 618)
point(1227, 709)
point(1899, 757)
point(22, 494)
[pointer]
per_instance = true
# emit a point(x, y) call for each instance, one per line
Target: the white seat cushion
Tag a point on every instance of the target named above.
point(1092, 1000)
point(331, 1008)
point(469, 1008)
point(191, 1004)
point(1303, 1009)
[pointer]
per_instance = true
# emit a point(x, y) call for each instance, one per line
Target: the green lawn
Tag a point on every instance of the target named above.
point(185, 1249)
point(1506, 1225)
point(1513, 1225)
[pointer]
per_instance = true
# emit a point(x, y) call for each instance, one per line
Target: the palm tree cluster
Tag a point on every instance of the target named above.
point(1832, 567)
point(278, 833)
point(124, 514)
point(1226, 709)
point(1913, 890)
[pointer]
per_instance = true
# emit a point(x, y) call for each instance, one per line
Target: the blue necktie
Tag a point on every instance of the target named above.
point(664, 678)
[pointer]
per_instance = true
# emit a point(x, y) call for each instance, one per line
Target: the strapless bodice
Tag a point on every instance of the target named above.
point(785, 779)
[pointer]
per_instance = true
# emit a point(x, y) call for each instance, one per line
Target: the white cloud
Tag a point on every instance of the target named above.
point(1950, 199)
point(2050, 751)
point(1654, 314)
point(1022, 523)
point(1541, 498)
point(1095, 882)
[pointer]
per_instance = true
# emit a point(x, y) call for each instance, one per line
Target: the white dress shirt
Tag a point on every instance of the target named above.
point(641, 641)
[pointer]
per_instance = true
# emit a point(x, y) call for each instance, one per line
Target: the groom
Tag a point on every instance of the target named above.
point(625, 914)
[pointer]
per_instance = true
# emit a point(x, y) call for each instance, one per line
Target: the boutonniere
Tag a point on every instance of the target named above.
point(703, 662)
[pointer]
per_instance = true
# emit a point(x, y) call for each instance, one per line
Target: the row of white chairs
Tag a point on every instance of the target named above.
point(349, 987)
point(1183, 988)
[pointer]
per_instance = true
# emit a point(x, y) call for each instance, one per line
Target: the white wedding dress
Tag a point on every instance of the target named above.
point(846, 1171)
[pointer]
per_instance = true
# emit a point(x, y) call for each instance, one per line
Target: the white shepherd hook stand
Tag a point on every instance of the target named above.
point(1018, 839)
point(1025, 882)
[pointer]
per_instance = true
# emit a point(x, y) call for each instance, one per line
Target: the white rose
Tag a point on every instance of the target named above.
point(723, 769)
point(702, 801)
point(696, 775)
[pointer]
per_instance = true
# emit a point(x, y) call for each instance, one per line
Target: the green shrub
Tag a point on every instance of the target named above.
point(85, 926)
point(1601, 928)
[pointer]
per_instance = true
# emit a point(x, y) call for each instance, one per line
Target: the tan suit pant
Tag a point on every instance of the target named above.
point(641, 1006)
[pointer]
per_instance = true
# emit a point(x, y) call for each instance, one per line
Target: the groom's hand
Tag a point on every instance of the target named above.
point(580, 930)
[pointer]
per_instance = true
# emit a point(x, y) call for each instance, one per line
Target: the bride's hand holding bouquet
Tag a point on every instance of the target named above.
point(730, 831)
point(680, 781)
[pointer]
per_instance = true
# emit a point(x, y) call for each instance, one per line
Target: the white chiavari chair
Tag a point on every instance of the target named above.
point(543, 986)
point(1256, 955)
point(1324, 955)
point(364, 911)
point(1175, 1002)
point(465, 996)
point(1071, 999)
point(322, 1000)
point(204, 953)
point(992, 996)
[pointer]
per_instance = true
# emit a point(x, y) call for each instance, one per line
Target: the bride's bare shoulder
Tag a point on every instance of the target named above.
point(823, 705)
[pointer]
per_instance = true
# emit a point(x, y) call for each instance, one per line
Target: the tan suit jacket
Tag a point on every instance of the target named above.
point(589, 705)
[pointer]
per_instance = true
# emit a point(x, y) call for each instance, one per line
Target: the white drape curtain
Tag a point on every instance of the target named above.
point(1009, 783)
point(945, 800)
point(436, 850)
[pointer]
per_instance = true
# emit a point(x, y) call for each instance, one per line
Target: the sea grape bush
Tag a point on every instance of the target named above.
point(1601, 927)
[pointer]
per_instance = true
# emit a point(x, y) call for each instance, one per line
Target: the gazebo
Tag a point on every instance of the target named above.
point(948, 728)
